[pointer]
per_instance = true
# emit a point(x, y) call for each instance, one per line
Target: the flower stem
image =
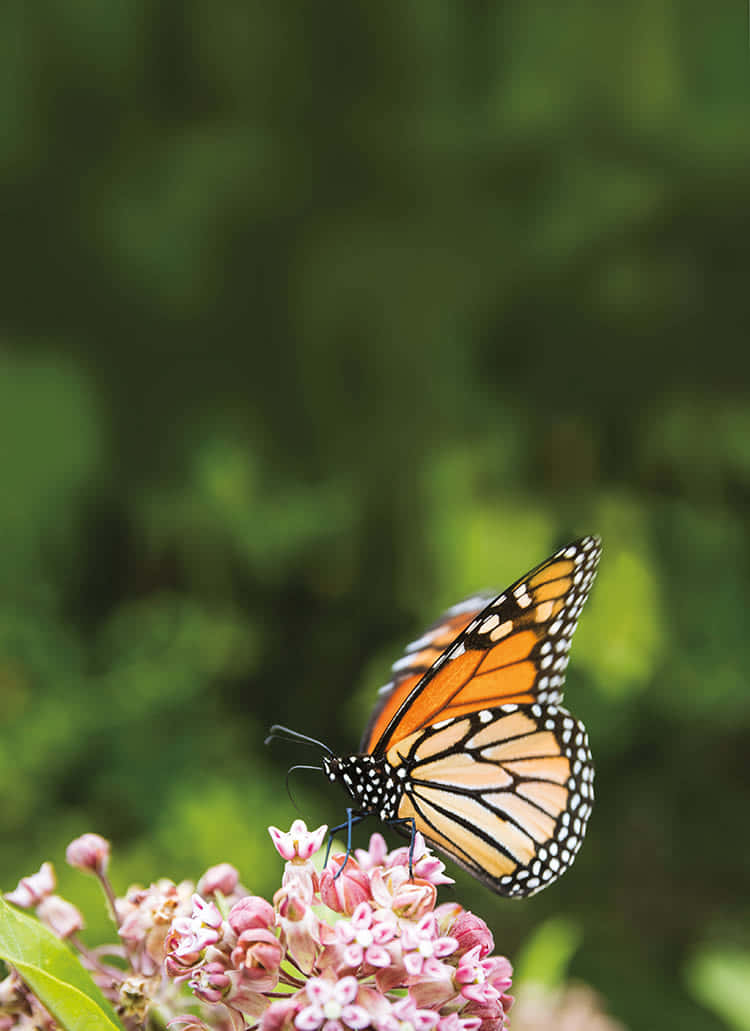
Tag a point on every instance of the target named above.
point(110, 895)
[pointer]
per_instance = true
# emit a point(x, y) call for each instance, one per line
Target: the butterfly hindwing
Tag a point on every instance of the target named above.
point(505, 792)
point(511, 650)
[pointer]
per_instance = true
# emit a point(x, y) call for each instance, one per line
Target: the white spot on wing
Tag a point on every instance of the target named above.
point(490, 623)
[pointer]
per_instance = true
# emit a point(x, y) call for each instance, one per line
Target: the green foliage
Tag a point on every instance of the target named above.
point(720, 979)
point(53, 973)
point(545, 958)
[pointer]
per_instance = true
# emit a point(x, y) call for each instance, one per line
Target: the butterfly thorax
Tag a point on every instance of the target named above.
point(372, 783)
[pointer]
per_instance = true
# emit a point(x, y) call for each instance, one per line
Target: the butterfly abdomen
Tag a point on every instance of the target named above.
point(373, 783)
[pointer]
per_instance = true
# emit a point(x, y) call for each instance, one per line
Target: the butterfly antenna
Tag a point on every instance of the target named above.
point(289, 790)
point(287, 734)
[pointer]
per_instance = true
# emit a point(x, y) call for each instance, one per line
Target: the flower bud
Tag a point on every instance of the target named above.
point(89, 852)
point(469, 931)
point(344, 891)
point(223, 877)
point(258, 953)
point(32, 890)
point(249, 913)
point(60, 916)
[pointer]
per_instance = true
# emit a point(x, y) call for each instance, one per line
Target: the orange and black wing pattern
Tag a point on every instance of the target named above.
point(421, 654)
point(511, 650)
point(505, 792)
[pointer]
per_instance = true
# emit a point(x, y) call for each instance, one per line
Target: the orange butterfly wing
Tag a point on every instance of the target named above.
point(419, 658)
point(506, 792)
point(512, 650)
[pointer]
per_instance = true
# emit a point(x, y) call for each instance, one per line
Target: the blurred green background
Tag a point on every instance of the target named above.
point(315, 318)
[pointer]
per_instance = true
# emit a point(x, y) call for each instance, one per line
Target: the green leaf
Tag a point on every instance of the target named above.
point(546, 956)
point(720, 979)
point(53, 973)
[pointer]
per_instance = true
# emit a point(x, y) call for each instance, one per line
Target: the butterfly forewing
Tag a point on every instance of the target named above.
point(505, 792)
point(511, 649)
point(421, 654)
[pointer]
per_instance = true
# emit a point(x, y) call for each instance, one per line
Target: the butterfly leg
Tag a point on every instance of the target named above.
point(351, 818)
point(413, 827)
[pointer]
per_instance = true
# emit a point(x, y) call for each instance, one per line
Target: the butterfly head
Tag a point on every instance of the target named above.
point(369, 781)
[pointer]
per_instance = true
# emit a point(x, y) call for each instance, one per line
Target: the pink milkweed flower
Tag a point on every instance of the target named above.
point(364, 936)
point(190, 936)
point(492, 1012)
point(455, 1023)
point(424, 948)
point(437, 993)
point(425, 865)
point(446, 914)
point(344, 891)
point(283, 967)
point(392, 889)
point(223, 878)
point(470, 930)
point(32, 890)
point(250, 913)
point(89, 852)
point(281, 1013)
point(298, 843)
point(258, 954)
point(373, 856)
point(300, 928)
point(499, 972)
point(60, 916)
point(473, 978)
point(406, 1015)
point(491, 1015)
point(211, 982)
point(332, 1006)
point(146, 915)
point(297, 847)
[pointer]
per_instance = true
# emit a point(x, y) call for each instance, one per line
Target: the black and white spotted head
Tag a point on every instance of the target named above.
point(371, 783)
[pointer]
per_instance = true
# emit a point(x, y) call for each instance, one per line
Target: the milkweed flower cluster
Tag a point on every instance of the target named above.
point(361, 945)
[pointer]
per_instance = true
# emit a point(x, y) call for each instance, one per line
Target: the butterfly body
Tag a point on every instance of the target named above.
point(373, 784)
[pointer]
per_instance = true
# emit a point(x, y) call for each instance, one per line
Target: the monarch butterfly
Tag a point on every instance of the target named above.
point(468, 742)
